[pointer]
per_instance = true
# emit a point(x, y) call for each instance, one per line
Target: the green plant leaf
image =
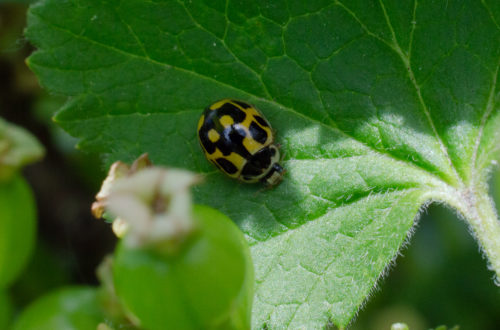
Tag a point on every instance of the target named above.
point(5, 310)
point(76, 307)
point(380, 107)
point(17, 228)
point(220, 299)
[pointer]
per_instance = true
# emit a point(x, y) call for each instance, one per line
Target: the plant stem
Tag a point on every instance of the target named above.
point(479, 211)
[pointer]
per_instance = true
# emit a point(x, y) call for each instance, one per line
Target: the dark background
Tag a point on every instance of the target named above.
point(441, 278)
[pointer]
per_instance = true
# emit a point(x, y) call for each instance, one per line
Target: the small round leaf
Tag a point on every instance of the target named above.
point(17, 228)
point(206, 285)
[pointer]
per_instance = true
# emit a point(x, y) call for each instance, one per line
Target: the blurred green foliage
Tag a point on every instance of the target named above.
point(5, 310)
point(44, 272)
point(66, 308)
point(17, 228)
point(86, 166)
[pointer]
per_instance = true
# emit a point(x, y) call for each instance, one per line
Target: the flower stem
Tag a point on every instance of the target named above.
point(479, 211)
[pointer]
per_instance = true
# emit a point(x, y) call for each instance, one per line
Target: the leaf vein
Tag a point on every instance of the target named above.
point(413, 26)
point(196, 74)
point(322, 273)
point(488, 9)
point(489, 109)
point(132, 32)
point(237, 58)
point(413, 80)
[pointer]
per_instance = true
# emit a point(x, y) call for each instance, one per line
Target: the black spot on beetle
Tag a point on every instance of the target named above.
point(215, 163)
point(250, 170)
point(208, 145)
point(231, 110)
point(226, 165)
point(224, 146)
point(257, 133)
point(242, 104)
point(261, 121)
point(257, 163)
point(207, 125)
point(262, 158)
point(235, 134)
point(232, 141)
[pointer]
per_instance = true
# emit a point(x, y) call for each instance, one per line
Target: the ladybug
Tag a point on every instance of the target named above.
point(237, 139)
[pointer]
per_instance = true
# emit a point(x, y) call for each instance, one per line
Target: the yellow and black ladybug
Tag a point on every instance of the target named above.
point(237, 138)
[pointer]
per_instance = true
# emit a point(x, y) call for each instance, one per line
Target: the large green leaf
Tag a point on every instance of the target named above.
point(380, 107)
point(5, 310)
